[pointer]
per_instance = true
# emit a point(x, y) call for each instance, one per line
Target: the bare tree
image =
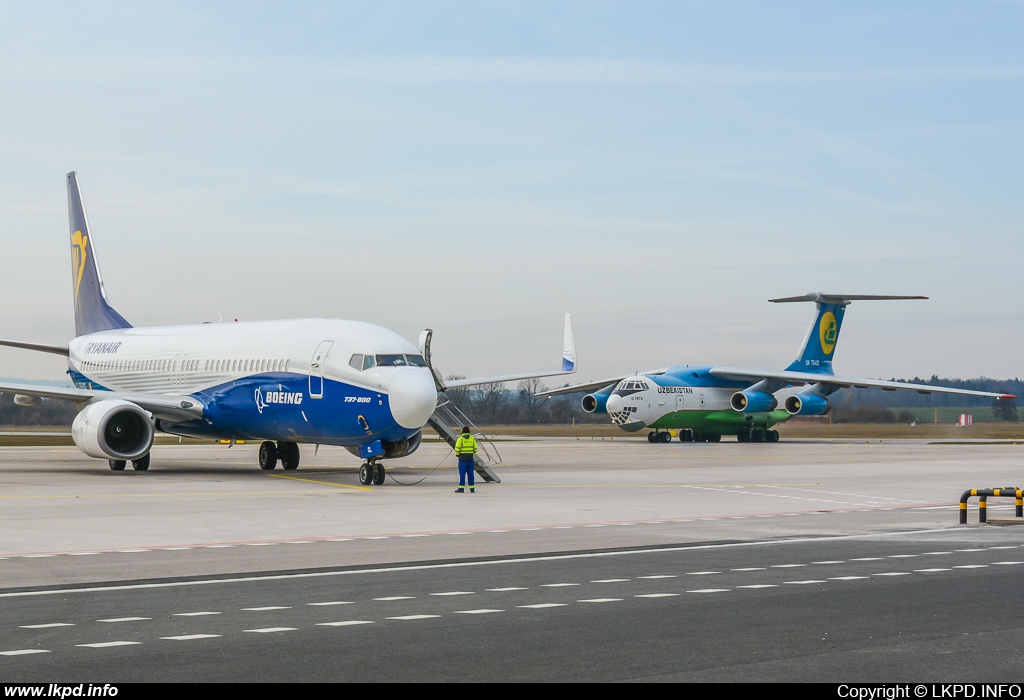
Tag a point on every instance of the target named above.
point(460, 396)
point(528, 399)
point(489, 400)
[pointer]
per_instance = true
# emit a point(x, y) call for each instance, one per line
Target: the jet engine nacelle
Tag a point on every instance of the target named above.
point(113, 429)
point(595, 403)
point(806, 404)
point(753, 402)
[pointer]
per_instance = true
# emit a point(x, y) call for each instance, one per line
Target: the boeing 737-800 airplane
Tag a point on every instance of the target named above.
point(316, 381)
point(704, 403)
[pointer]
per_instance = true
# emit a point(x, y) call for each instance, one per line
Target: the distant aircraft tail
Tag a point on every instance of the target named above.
point(92, 311)
point(819, 344)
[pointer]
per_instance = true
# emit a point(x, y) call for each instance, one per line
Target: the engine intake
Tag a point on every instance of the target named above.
point(753, 402)
point(595, 403)
point(806, 405)
point(113, 429)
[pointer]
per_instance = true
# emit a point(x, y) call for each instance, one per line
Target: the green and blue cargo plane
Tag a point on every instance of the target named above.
point(704, 403)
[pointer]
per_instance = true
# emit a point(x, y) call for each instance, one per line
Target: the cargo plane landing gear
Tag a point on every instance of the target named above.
point(287, 452)
point(372, 472)
point(689, 435)
point(757, 435)
point(659, 436)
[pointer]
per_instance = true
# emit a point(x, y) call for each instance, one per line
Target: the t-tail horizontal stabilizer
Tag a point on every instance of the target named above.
point(819, 344)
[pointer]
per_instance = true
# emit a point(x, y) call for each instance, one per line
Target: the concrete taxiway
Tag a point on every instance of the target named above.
point(608, 560)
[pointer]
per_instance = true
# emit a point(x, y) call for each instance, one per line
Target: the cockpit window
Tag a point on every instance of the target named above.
point(391, 361)
point(369, 362)
point(356, 362)
point(415, 361)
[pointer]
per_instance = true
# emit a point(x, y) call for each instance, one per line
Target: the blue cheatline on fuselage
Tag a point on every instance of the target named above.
point(83, 382)
point(277, 406)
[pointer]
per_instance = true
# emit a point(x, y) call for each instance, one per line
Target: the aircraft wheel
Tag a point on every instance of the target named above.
point(289, 452)
point(365, 474)
point(378, 475)
point(773, 436)
point(141, 464)
point(268, 456)
point(650, 437)
point(743, 436)
point(686, 435)
point(116, 465)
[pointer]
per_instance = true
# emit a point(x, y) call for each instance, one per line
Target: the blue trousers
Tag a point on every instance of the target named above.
point(466, 469)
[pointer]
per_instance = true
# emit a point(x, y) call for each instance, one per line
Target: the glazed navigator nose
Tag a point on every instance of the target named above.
point(412, 397)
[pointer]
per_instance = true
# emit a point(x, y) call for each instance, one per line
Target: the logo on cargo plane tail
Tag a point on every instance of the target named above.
point(827, 332)
point(78, 244)
point(264, 399)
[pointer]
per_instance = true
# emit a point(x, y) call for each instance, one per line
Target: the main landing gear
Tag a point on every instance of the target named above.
point(757, 435)
point(287, 452)
point(140, 465)
point(659, 436)
point(688, 435)
point(372, 472)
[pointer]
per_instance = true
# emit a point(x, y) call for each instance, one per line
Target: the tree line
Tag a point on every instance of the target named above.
point(493, 404)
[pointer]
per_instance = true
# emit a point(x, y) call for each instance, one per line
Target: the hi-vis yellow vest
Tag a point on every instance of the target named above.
point(465, 445)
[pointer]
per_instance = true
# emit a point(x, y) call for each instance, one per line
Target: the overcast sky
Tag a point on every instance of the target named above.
point(658, 169)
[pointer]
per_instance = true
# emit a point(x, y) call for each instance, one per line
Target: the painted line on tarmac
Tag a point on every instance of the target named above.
point(477, 563)
point(322, 483)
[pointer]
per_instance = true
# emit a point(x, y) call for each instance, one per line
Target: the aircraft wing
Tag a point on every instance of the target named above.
point(171, 408)
point(801, 378)
point(568, 365)
point(593, 386)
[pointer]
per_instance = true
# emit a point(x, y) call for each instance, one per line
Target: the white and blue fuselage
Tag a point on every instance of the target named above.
point(323, 381)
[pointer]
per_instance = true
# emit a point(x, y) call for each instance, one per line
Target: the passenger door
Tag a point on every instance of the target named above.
point(316, 369)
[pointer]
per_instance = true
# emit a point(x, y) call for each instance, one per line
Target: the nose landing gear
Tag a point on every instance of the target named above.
point(372, 472)
point(659, 436)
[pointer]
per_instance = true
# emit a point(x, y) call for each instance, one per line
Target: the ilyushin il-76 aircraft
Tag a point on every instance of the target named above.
point(704, 403)
point(314, 381)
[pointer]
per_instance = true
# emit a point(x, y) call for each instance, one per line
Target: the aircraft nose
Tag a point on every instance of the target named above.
point(412, 397)
point(614, 404)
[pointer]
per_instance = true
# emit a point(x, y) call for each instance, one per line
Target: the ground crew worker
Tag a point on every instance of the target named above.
point(465, 448)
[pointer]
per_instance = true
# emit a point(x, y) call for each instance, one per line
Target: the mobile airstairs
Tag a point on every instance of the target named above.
point(448, 420)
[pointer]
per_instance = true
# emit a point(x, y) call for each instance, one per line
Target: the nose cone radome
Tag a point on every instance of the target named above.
point(412, 397)
point(614, 404)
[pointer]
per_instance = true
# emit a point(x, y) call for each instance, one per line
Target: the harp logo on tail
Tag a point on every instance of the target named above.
point(78, 255)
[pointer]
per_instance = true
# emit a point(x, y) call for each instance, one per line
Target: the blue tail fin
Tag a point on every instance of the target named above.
point(820, 343)
point(92, 312)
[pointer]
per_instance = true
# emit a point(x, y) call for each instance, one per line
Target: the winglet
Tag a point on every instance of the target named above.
point(568, 347)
